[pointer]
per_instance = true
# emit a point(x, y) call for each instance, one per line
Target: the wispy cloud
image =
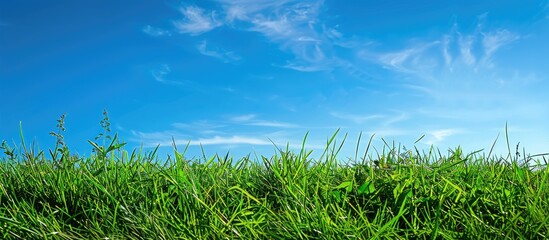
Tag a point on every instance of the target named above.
point(466, 49)
point(355, 117)
point(154, 138)
point(229, 131)
point(409, 60)
point(305, 67)
point(446, 51)
point(421, 89)
point(250, 120)
point(155, 32)
point(167, 138)
point(243, 118)
point(395, 60)
point(217, 140)
point(381, 119)
point(196, 21)
point(160, 73)
point(223, 55)
point(201, 127)
point(492, 41)
point(262, 123)
point(227, 141)
point(474, 50)
point(294, 25)
point(394, 119)
point(438, 136)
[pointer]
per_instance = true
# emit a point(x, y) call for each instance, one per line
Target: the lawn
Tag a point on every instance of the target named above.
point(394, 194)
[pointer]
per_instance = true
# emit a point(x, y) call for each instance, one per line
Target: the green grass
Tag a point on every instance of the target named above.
point(399, 194)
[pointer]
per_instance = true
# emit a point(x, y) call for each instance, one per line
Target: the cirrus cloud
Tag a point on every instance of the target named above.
point(196, 21)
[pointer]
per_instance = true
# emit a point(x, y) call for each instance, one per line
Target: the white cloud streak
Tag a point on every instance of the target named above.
point(218, 140)
point(396, 60)
point(399, 118)
point(155, 32)
point(445, 51)
point(243, 118)
point(261, 123)
point(355, 117)
point(492, 41)
point(223, 55)
point(416, 59)
point(155, 136)
point(212, 133)
point(475, 51)
point(160, 73)
point(382, 120)
point(250, 120)
point(196, 21)
point(438, 136)
point(198, 125)
point(167, 138)
point(292, 24)
point(466, 49)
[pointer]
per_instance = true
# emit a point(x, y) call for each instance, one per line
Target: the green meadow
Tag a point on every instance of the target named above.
point(395, 193)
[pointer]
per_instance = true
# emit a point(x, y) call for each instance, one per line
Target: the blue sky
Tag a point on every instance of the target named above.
point(236, 74)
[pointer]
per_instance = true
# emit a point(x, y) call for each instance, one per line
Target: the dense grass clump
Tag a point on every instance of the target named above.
point(114, 194)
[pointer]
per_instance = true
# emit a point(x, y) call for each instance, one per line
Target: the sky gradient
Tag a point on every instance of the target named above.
point(238, 75)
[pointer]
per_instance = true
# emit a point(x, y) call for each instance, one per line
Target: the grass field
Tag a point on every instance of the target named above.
point(396, 194)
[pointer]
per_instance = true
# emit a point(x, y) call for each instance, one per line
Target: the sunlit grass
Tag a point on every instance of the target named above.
point(397, 194)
